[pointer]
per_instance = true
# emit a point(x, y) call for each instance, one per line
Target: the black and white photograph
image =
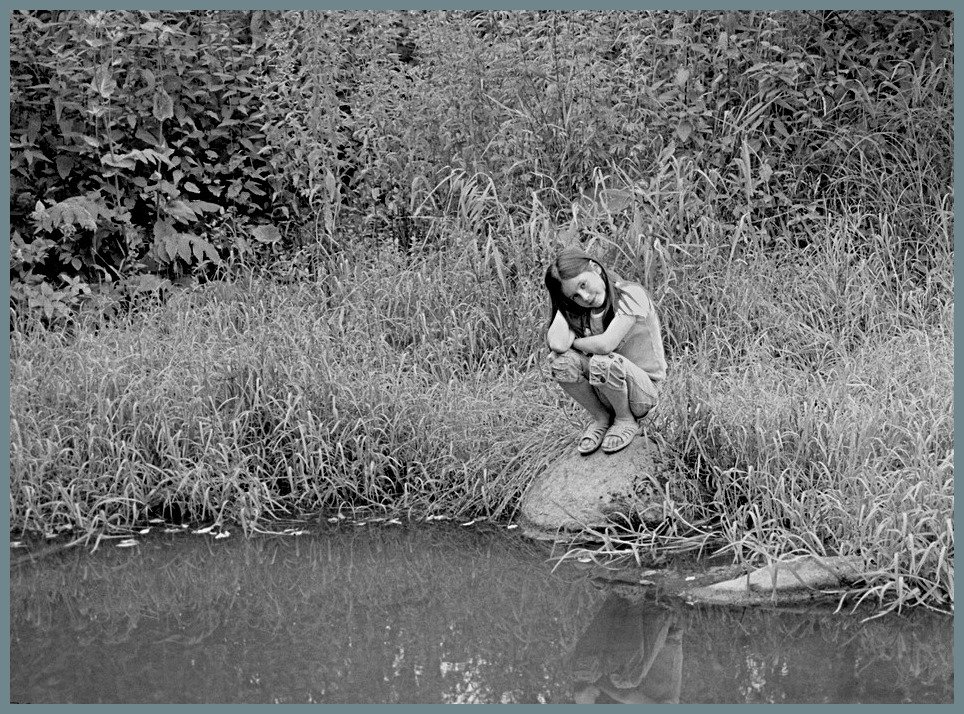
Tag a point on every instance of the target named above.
point(485, 356)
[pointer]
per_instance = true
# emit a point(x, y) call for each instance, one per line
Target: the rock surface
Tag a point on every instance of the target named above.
point(578, 491)
point(785, 581)
point(805, 581)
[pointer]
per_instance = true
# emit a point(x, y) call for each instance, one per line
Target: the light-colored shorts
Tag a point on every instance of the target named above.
point(612, 370)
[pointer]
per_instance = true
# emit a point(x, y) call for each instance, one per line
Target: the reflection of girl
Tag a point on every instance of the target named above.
point(607, 348)
point(631, 653)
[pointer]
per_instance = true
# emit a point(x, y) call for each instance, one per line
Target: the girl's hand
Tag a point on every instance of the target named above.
point(560, 335)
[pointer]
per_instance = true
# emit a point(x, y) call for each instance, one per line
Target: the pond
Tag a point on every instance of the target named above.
point(390, 613)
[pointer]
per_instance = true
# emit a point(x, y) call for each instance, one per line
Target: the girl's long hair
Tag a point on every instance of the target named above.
point(569, 263)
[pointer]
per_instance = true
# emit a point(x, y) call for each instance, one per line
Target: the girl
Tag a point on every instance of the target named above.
point(607, 348)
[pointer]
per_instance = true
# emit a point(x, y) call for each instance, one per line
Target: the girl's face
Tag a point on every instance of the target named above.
point(588, 289)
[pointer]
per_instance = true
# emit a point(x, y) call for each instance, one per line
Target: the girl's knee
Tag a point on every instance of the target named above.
point(607, 371)
point(567, 367)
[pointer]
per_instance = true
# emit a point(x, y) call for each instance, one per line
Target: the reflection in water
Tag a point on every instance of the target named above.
point(356, 615)
point(631, 653)
point(433, 615)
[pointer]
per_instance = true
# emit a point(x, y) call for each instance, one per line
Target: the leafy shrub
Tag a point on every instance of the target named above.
point(131, 132)
point(185, 138)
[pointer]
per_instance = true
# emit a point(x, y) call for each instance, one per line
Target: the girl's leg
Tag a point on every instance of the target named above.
point(571, 371)
point(619, 399)
point(589, 399)
point(607, 374)
point(623, 415)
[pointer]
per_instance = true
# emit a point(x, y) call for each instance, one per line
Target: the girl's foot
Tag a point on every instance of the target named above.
point(620, 435)
point(592, 437)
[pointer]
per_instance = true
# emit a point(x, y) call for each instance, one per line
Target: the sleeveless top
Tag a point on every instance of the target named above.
point(643, 344)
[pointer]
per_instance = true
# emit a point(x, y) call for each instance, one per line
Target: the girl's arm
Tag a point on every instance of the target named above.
point(559, 338)
point(609, 340)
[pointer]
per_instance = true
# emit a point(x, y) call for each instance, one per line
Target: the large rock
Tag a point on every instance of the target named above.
point(576, 492)
point(801, 578)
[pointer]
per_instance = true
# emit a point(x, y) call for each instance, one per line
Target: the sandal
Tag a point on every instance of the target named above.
point(624, 432)
point(592, 438)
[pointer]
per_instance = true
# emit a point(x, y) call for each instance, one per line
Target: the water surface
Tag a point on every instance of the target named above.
point(396, 614)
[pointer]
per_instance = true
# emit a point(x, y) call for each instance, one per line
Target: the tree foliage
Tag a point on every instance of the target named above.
point(163, 142)
point(132, 136)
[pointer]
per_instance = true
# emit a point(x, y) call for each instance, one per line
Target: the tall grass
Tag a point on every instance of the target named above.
point(808, 408)
point(803, 276)
point(384, 388)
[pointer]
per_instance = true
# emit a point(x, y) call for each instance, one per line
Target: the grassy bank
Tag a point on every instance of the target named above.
point(809, 407)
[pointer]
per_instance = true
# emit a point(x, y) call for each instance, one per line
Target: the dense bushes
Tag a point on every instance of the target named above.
point(133, 136)
point(783, 116)
point(163, 143)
